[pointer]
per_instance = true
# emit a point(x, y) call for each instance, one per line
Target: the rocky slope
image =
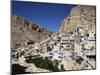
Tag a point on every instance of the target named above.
point(23, 30)
point(80, 16)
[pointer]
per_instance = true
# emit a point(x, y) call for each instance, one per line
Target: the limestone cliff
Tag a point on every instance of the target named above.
point(80, 16)
point(24, 30)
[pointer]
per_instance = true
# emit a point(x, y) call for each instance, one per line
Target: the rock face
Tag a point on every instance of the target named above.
point(24, 30)
point(80, 16)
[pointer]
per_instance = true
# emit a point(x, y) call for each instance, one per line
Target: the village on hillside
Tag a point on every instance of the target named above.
point(68, 51)
point(71, 47)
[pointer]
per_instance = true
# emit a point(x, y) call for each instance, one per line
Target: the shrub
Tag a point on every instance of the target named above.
point(43, 63)
point(17, 69)
point(79, 60)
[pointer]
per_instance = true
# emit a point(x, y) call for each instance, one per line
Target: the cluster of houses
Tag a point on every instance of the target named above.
point(63, 47)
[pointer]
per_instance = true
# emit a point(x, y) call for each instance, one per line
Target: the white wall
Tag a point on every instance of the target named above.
point(5, 37)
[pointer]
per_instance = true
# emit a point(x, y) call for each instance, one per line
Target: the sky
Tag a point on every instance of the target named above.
point(47, 15)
